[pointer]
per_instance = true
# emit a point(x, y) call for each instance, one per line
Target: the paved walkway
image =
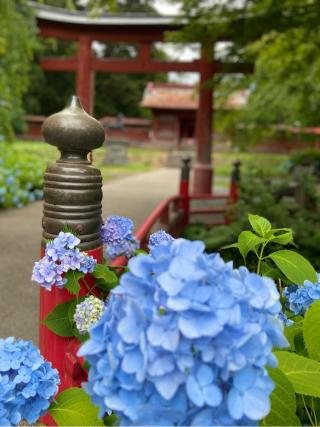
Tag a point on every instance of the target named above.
point(20, 235)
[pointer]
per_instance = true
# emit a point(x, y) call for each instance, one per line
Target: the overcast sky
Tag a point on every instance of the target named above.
point(166, 8)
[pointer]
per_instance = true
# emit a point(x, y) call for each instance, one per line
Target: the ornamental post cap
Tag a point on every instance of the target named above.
point(72, 130)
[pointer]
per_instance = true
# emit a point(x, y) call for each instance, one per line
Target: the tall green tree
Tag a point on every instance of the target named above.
point(17, 44)
point(282, 39)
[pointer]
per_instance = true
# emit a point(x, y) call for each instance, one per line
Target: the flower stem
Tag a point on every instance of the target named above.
point(87, 286)
point(307, 411)
point(260, 256)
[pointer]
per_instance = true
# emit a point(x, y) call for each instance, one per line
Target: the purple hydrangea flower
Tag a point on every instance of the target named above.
point(61, 255)
point(117, 235)
point(87, 313)
point(27, 382)
point(47, 273)
point(159, 237)
point(299, 298)
point(185, 340)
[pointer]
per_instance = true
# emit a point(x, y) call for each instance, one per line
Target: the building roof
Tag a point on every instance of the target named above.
point(58, 14)
point(236, 100)
point(170, 96)
point(175, 96)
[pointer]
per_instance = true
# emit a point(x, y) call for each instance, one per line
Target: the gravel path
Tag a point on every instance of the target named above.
point(20, 235)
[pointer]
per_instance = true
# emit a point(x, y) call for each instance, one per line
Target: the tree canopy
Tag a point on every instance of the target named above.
point(17, 43)
point(282, 38)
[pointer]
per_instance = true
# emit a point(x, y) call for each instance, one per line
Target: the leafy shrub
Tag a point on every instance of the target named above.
point(21, 177)
point(285, 199)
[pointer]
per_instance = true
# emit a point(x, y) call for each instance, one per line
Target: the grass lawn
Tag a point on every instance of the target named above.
point(140, 159)
point(146, 159)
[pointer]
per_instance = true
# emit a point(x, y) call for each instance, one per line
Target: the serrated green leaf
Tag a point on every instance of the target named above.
point(248, 241)
point(311, 330)
point(58, 320)
point(260, 224)
point(284, 236)
point(101, 271)
point(73, 407)
point(283, 402)
point(291, 332)
point(294, 266)
point(302, 372)
point(73, 277)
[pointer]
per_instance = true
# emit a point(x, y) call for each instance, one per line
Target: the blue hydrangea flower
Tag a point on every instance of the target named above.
point(27, 382)
point(117, 235)
point(158, 237)
point(87, 313)
point(47, 273)
point(185, 340)
point(61, 255)
point(299, 298)
point(284, 318)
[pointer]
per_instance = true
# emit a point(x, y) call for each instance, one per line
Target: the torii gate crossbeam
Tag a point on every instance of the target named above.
point(142, 31)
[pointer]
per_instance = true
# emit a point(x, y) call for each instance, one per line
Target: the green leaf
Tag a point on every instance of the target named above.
point(270, 271)
point(248, 241)
point(284, 237)
point(311, 330)
point(73, 278)
point(294, 266)
point(260, 224)
point(292, 333)
point(58, 320)
point(103, 285)
point(103, 272)
point(303, 373)
point(73, 407)
point(283, 402)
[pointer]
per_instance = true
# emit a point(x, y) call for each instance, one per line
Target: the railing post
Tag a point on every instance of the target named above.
point(184, 186)
point(234, 183)
point(72, 197)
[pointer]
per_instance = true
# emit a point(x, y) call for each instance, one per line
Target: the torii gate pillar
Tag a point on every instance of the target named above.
point(203, 171)
point(85, 76)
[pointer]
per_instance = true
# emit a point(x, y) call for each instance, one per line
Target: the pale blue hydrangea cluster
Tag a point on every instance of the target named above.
point(159, 237)
point(61, 255)
point(299, 298)
point(87, 313)
point(284, 318)
point(185, 341)
point(117, 235)
point(27, 382)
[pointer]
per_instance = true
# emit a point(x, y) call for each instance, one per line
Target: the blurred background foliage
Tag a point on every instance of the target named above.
point(281, 39)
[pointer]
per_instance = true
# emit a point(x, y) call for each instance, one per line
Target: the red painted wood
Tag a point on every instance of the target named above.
point(233, 192)
point(114, 33)
point(85, 75)
point(202, 178)
point(59, 64)
point(60, 351)
point(144, 65)
point(202, 175)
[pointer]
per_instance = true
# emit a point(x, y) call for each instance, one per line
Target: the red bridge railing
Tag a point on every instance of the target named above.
point(175, 212)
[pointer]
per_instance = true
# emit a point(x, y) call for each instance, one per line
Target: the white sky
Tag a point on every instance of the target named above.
point(166, 7)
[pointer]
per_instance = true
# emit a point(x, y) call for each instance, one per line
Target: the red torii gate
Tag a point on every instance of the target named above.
point(142, 31)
